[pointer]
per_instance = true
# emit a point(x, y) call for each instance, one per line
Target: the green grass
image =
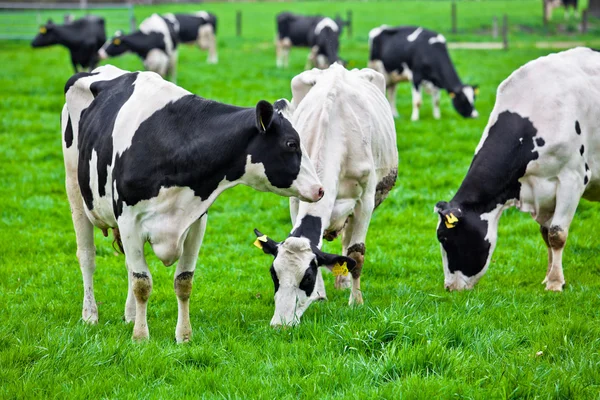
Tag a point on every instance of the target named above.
point(411, 339)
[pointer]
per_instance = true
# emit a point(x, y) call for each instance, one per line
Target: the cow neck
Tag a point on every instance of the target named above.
point(67, 37)
point(449, 79)
point(133, 42)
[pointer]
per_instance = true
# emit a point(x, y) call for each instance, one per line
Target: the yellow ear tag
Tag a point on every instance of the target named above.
point(43, 30)
point(117, 41)
point(452, 95)
point(260, 239)
point(476, 92)
point(340, 269)
point(263, 125)
point(451, 221)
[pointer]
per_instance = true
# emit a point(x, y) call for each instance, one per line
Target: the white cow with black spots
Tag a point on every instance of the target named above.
point(348, 129)
point(539, 153)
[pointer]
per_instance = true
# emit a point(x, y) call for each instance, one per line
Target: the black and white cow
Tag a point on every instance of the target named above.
point(550, 5)
point(344, 121)
point(420, 56)
point(83, 38)
point(199, 28)
point(321, 34)
point(155, 43)
point(147, 159)
point(537, 153)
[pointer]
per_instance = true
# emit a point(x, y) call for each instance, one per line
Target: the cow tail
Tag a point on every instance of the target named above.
point(117, 241)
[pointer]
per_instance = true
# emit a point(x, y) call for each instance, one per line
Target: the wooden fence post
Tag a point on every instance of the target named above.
point(584, 21)
point(349, 22)
point(505, 32)
point(495, 27)
point(454, 16)
point(238, 23)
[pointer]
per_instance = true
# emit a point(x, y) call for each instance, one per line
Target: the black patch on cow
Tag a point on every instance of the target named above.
point(140, 275)
point(137, 42)
point(69, 133)
point(185, 276)
point(309, 279)
point(357, 248)
point(540, 141)
point(581, 149)
point(577, 128)
point(310, 228)
point(96, 131)
point(196, 143)
point(71, 81)
point(274, 277)
point(492, 179)
point(587, 168)
point(189, 25)
point(585, 180)
point(280, 105)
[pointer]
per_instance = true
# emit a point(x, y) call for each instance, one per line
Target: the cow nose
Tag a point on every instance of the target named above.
point(321, 193)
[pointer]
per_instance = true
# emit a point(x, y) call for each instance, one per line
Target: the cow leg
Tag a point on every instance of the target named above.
point(435, 100)
point(353, 241)
point(311, 59)
point(213, 58)
point(184, 275)
point(173, 66)
point(286, 45)
point(278, 53)
point(544, 232)
point(567, 198)
point(86, 251)
point(417, 100)
point(129, 315)
point(391, 90)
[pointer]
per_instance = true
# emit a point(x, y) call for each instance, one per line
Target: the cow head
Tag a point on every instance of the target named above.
point(46, 35)
point(463, 100)
point(114, 47)
point(281, 164)
point(467, 239)
point(294, 273)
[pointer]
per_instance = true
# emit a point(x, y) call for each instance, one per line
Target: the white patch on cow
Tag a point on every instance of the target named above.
point(203, 14)
point(437, 39)
point(102, 214)
point(173, 20)
point(155, 23)
point(469, 93)
point(373, 33)
point(413, 36)
point(326, 23)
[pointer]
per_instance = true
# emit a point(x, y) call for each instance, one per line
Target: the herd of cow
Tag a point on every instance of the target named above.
point(146, 158)
point(401, 54)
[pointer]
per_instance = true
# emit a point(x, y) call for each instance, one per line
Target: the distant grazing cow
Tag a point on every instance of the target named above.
point(83, 38)
point(537, 153)
point(344, 121)
point(155, 42)
point(147, 159)
point(550, 5)
point(199, 28)
point(320, 33)
point(409, 53)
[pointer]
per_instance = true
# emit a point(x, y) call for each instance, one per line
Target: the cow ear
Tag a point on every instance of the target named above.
point(339, 265)
point(49, 22)
point(264, 115)
point(372, 76)
point(450, 215)
point(266, 244)
point(476, 89)
point(302, 83)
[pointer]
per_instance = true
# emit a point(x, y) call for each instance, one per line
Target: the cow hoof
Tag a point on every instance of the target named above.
point(555, 286)
point(140, 335)
point(342, 282)
point(185, 338)
point(90, 317)
point(128, 319)
point(356, 299)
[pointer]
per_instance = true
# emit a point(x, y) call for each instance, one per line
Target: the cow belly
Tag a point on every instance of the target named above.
point(538, 197)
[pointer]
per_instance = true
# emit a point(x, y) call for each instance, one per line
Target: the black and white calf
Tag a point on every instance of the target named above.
point(155, 43)
point(147, 159)
point(321, 34)
point(199, 28)
point(537, 153)
point(344, 122)
point(420, 56)
point(83, 37)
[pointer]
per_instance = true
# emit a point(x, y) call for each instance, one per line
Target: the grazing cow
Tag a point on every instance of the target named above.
point(147, 158)
point(155, 43)
point(199, 28)
point(83, 38)
point(320, 33)
point(537, 153)
point(550, 5)
point(344, 121)
point(410, 53)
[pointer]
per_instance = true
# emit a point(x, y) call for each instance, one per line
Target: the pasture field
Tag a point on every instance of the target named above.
point(507, 338)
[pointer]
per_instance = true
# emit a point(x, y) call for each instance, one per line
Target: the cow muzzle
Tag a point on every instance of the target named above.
point(102, 54)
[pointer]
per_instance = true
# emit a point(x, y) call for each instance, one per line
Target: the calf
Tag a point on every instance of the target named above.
point(409, 53)
point(320, 33)
point(155, 43)
point(537, 153)
point(83, 37)
point(199, 28)
point(147, 159)
point(344, 121)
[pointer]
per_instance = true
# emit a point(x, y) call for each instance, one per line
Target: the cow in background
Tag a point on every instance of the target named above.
point(199, 28)
point(537, 153)
point(420, 56)
point(347, 127)
point(146, 158)
point(83, 37)
point(321, 34)
point(155, 43)
point(550, 5)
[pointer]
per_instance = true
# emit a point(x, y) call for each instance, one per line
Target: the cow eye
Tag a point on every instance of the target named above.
point(291, 144)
